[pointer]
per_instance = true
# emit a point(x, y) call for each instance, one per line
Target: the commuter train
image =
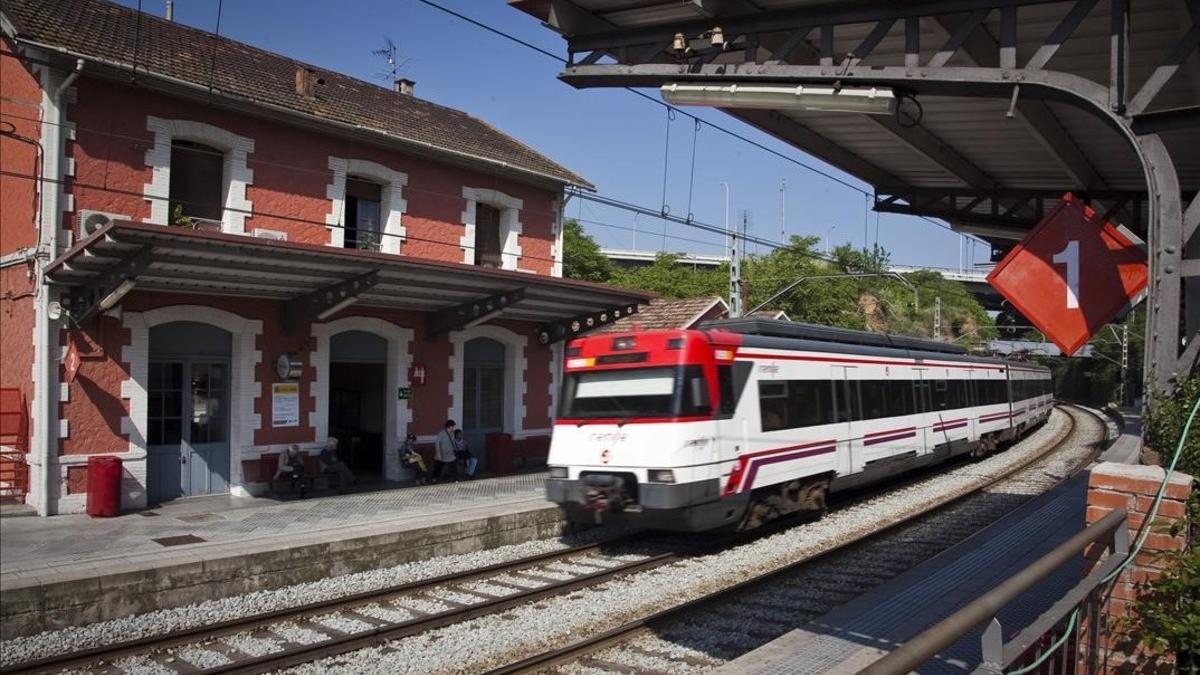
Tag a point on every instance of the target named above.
point(746, 420)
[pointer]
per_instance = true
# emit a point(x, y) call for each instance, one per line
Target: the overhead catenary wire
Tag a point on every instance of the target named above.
point(642, 94)
point(257, 213)
point(254, 162)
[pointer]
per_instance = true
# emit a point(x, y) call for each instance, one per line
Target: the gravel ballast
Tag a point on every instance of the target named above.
point(164, 621)
point(497, 639)
point(491, 641)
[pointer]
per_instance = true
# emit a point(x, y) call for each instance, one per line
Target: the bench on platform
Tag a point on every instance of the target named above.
point(531, 451)
point(263, 468)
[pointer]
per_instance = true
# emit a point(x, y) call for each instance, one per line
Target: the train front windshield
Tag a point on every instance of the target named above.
point(671, 391)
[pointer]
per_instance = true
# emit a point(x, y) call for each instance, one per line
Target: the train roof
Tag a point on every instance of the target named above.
point(772, 333)
point(809, 331)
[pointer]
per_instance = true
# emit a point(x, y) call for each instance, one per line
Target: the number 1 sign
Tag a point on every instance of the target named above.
point(1071, 275)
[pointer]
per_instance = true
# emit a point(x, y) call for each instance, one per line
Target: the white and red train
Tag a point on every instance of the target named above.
point(744, 420)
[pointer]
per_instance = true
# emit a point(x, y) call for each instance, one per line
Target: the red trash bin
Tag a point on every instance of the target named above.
point(499, 452)
point(103, 487)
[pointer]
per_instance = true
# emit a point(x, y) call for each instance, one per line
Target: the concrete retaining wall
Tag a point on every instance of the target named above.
point(27, 608)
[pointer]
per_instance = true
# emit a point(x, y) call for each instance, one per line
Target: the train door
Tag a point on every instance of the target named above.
point(732, 433)
point(926, 415)
point(847, 410)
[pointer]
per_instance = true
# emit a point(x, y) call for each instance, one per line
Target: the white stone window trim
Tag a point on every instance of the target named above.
point(515, 385)
point(398, 416)
point(236, 173)
point(243, 388)
point(392, 203)
point(510, 224)
point(557, 207)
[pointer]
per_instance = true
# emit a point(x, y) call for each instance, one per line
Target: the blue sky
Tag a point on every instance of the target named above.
point(612, 137)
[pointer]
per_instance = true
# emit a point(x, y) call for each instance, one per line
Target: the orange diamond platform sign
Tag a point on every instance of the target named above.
point(1072, 274)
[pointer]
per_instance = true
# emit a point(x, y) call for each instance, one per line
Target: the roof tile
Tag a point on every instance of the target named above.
point(121, 36)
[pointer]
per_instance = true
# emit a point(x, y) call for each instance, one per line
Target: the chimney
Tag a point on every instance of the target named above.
point(405, 86)
point(307, 81)
point(170, 15)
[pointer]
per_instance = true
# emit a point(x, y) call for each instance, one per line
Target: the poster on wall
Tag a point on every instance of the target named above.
point(285, 404)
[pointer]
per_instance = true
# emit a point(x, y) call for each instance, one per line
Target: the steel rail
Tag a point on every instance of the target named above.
point(637, 627)
point(189, 635)
point(355, 641)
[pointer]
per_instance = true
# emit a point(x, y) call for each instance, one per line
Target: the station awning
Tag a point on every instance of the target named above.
point(315, 281)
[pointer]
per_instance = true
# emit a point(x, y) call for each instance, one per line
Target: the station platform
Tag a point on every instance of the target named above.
point(849, 638)
point(73, 569)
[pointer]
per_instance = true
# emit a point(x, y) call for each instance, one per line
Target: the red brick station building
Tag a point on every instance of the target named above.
point(209, 251)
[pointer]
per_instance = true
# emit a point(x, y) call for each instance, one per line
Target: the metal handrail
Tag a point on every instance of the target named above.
point(983, 609)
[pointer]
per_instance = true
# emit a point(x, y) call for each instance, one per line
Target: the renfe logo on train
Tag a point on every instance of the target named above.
point(1072, 274)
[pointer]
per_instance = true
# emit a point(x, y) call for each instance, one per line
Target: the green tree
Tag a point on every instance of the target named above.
point(582, 258)
point(670, 279)
point(878, 303)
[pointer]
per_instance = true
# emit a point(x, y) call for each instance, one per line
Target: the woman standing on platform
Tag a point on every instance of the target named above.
point(444, 452)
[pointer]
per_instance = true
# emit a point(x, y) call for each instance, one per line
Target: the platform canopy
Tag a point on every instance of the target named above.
point(957, 152)
point(1001, 106)
point(316, 281)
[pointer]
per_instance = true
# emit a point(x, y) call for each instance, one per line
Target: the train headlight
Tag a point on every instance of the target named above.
point(661, 476)
point(558, 472)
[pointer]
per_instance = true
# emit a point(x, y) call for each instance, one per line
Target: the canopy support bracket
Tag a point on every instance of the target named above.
point(564, 329)
point(471, 313)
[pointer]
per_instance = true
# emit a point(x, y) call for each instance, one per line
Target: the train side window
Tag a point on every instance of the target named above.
point(728, 402)
point(941, 395)
point(900, 396)
point(772, 405)
point(957, 394)
point(873, 395)
point(695, 393)
point(812, 402)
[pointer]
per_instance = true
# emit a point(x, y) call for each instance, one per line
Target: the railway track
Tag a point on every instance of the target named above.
point(330, 627)
point(281, 639)
point(708, 631)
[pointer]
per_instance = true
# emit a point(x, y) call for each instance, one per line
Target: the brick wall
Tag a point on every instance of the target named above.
point(1133, 488)
point(289, 190)
point(20, 110)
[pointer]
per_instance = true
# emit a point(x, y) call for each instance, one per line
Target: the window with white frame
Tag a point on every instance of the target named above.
point(488, 247)
point(198, 172)
point(363, 201)
point(366, 205)
point(491, 228)
point(197, 182)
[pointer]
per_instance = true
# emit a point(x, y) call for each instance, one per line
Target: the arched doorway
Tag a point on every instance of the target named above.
point(187, 417)
point(483, 391)
point(358, 363)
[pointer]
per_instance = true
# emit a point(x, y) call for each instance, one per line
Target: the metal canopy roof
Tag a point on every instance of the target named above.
point(159, 258)
point(966, 159)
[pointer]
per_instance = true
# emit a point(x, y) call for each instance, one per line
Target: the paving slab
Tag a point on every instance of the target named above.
point(72, 569)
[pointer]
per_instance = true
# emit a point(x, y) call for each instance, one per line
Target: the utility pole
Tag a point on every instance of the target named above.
point(783, 211)
point(735, 275)
point(937, 318)
point(728, 234)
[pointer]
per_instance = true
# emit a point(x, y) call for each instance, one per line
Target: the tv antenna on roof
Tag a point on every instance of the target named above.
point(388, 52)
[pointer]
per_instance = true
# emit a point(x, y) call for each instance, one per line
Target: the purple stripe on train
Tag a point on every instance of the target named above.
point(775, 459)
point(893, 437)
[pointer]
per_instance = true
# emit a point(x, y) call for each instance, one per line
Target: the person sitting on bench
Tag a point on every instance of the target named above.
point(331, 464)
point(412, 460)
point(291, 466)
